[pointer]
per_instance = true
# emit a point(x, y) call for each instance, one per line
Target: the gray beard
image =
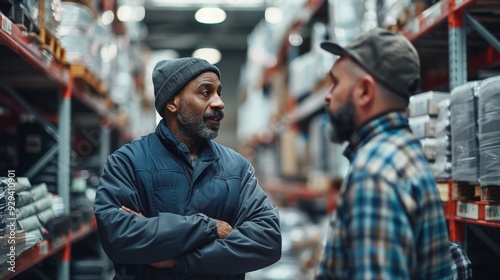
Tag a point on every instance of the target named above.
point(194, 129)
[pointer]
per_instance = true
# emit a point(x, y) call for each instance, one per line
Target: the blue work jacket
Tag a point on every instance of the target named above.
point(180, 198)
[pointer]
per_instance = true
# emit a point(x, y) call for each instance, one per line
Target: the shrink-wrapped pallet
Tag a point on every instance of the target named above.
point(465, 152)
point(489, 131)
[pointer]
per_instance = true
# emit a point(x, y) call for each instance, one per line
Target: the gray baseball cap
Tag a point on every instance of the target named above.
point(389, 57)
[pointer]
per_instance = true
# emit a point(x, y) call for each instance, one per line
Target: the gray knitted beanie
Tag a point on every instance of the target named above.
point(171, 76)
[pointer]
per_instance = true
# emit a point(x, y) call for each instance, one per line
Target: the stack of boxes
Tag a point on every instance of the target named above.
point(442, 165)
point(423, 112)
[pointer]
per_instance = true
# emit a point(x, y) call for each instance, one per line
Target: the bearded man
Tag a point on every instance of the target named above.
point(174, 204)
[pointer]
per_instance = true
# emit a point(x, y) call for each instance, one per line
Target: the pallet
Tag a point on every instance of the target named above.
point(35, 28)
point(86, 80)
point(490, 193)
point(466, 191)
point(473, 191)
point(50, 43)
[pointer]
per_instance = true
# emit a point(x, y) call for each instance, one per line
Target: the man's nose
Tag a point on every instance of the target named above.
point(217, 102)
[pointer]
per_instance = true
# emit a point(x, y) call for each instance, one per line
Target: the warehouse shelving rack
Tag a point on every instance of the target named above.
point(29, 75)
point(466, 27)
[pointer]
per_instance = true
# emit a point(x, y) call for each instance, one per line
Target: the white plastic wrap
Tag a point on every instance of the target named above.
point(443, 165)
point(52, 14)
point(489, 131)
point(429, 147)
point(465, 147)
point(76, 24)
point(389, 11)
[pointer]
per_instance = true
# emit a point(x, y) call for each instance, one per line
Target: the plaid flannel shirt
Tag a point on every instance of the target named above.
point(461, 267)
point(389, 222)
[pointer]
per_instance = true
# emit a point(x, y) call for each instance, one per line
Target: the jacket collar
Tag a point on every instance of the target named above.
point(206, 152)
point(379, 124)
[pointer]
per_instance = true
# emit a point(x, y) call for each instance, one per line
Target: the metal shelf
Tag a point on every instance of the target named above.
point(32, 81)
point(455, 39)
point(433, 16)
point(48, 248)
point(10, 68)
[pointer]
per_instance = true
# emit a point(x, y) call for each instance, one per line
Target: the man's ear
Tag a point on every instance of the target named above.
point(366, 90)
point(172, 105)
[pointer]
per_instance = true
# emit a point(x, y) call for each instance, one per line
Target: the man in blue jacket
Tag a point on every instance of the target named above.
point(175, 204)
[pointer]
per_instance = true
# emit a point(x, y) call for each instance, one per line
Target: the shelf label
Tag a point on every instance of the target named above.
point(492, 212)
point(6, 25)
point(467, 210)
point(44, 248)
point(47, 58)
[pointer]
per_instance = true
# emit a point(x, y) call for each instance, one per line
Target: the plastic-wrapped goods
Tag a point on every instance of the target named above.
point(443, 125)
point(465, 147)
point(52, 15)
point(31, 8)
point(489, 131)
point(442, 166)
point(391, 12)
point(76, 24)
point(426, 103)
point(429, 145)
point(423, 126)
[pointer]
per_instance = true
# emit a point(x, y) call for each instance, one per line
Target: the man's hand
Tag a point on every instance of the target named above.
point(164, 264)
point(223, 228)
point(128, 210)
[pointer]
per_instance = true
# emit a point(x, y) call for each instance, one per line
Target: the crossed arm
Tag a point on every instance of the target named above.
point(223, 230)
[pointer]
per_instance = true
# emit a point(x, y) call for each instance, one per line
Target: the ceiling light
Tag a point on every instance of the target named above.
point(273, 15)
point(221, 3)
point(210, 15)
point(295, 39)
point(209, 54)
point(131, 13)
point(107, 17)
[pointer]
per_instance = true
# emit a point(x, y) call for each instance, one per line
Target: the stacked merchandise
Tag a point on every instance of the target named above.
point(489, 131)
point(423, 111)
point(393, 14)
point(442, 166)
point(26, 12)
point(88, 42)
point(18, 229)
point(464, 141)
point(76, 26)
